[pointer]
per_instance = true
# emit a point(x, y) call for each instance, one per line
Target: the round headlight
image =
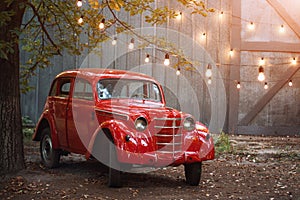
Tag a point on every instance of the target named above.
point(189, 124)
point(140, 124)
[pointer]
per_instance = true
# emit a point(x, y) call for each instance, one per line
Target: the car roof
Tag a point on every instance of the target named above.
point(99, 73)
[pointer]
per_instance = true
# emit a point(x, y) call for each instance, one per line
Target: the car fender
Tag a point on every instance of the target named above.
point(46, 120)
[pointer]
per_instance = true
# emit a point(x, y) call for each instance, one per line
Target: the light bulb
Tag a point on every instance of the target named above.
point(80, 20)
point(102, 25)
point(147, 59)
point(231, 52)
point(290, 83)
point(131, 44)
point(203, 36)
point(114, 41)
point(281, 28)
point(167, 60)
point(209, 80)
point(261, 75)
point(266, 86)
point(238, 85)
point(221, 14)
point(179, 16)
point(178, 71)
point(251, 26)
point(208, 72)
point(262, 61)
point(79, 3)
point(294, 61)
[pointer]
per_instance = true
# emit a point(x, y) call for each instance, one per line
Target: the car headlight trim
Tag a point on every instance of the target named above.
point(189, 123)
point(140, 124)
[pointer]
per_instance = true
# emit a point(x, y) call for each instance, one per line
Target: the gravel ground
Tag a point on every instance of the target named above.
point(257, 168)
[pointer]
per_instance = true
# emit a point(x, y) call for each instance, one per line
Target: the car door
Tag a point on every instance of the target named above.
point(82, 121)
point(58, 104)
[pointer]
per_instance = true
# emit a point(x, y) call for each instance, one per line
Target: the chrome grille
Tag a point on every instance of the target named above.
point(168, 135)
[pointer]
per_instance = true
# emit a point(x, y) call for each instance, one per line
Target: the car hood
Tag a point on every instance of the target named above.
point(137, 108)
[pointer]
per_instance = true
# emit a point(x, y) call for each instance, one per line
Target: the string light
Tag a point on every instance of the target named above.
point(114, 41)
point(147, 59)
point(179, 16)
point(262, 61)
point(261, 76)
point(178, 71)
point(251, 26)
point(209, 80)
point(203, 36)
point(231, 52)
point(281, 28)
point(208, 72)
point(79, 3)
point(221, 14)
point(80, 20)
point(266, 86)
point(238, 85)
point(131, 44)
point(294, 61)
point(167, 60)
point(290, 83)
point(102, 25)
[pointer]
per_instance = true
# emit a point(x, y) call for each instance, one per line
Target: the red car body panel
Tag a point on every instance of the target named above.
point(75, 123)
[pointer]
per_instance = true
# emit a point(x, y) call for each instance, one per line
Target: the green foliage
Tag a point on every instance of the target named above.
point(222, 144)
point(28, 127)
point(53, 27)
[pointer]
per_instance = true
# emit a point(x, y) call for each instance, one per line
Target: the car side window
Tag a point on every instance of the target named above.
point(83, 90)
point(61, 87)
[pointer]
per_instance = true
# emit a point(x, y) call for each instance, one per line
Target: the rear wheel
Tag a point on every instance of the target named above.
point(193, 173)
point(50, 157)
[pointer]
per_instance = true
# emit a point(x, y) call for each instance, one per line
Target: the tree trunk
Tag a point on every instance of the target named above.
point(11, 137)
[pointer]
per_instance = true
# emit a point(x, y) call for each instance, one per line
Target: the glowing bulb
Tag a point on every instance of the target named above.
point(147, 59)
point(238, 85)
point(281, 28)
point(80, 20)
point(261, 75)
point(290, 83)
point(294, 61)
point(178, 71)
point(114, 41)
point(179, 16)
point(79, 3)
point(102, 25)
point(262, 61)
point(251, 26)
point(167, 60)
point(266, 86)
point(131, 44)
point(221, 14)
point(203, 36)
point(208, 72)
point(231, 52)
point(209, 80)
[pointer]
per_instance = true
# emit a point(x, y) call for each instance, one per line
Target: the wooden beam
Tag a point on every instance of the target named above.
point(271, 47)
point(285, 16)
point(268, 96)
point(269, 130)
point(235, 42)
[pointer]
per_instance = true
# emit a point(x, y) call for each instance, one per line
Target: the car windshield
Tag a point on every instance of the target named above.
point(128, 88)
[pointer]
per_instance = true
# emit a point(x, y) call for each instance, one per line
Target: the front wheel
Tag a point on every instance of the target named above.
point(50, 157)
point(193, 173)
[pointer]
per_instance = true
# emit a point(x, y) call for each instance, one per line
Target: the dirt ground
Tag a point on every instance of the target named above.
point(259, 168)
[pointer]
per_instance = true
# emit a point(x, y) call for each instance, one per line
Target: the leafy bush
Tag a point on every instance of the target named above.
point(28, 127)
point(222, 144)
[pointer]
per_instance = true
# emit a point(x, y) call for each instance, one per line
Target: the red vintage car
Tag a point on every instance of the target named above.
point(121, 119)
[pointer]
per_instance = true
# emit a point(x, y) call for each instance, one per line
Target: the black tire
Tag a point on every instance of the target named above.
point(50, 157)
point(114, 173)
point(193, 173)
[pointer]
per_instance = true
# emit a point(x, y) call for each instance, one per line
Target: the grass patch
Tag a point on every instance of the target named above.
point(223, 144)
